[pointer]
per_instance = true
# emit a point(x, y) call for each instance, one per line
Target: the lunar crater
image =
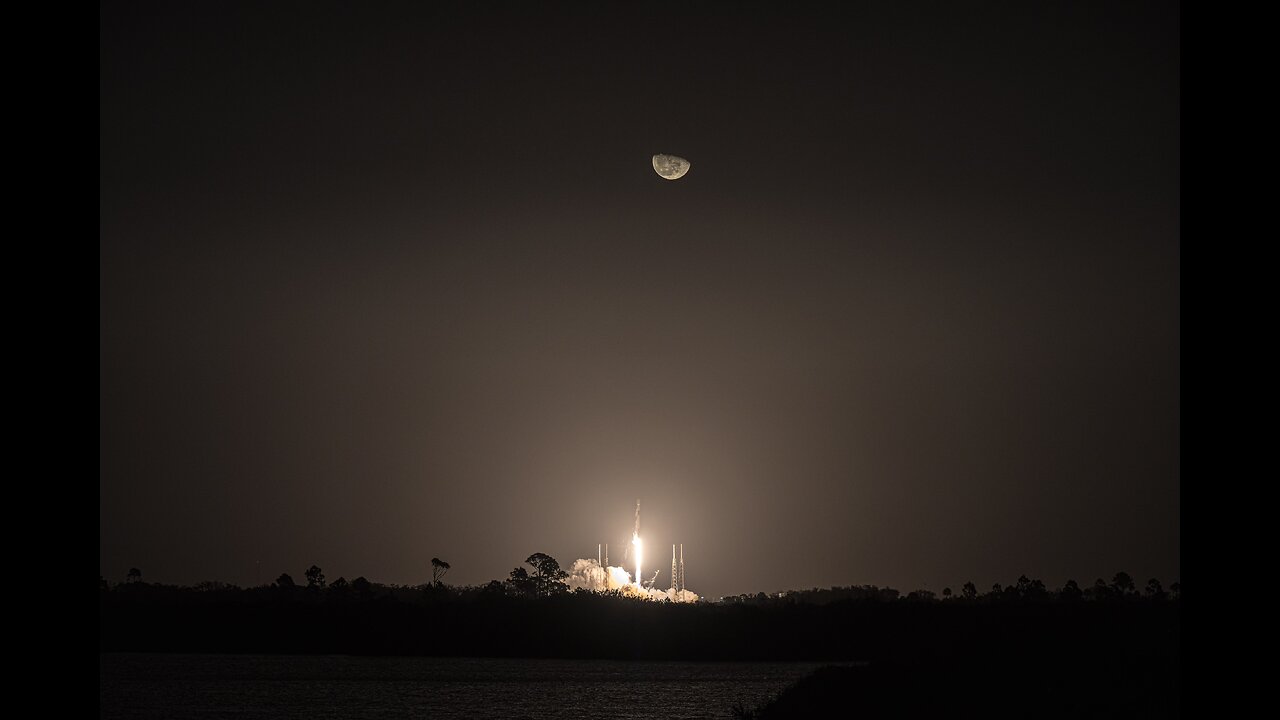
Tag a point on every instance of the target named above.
point(671, 167)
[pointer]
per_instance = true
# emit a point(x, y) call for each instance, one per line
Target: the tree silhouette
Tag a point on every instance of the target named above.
point(547, 577)
point(285, 581)
point(315, 578)
point(1070, 592)
point(362, 587)
point(946, 592)
point(969, 590)
point(1176, 590)
point(1123, 584)
point(438, 569)
point(1155, 590)
point(134, 576)
point(521, 583)
point(1100, 590)
point(214, 586)
point(1034, 590)
point(102, 583)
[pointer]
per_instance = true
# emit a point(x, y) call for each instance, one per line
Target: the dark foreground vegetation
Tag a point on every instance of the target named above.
point(532, 615)
point(1109, 651)
point(583, 625)
point(1063, 685)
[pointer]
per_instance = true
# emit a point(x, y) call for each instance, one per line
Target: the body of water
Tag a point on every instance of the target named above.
point(334, 686)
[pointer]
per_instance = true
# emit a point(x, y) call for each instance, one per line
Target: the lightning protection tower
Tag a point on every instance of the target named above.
point(675, 574)
point(681, 582)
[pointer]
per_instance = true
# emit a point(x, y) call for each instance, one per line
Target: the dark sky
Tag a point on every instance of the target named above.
point(382, 282)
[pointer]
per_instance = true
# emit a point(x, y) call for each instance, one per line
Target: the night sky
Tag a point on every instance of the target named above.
point(382, 282)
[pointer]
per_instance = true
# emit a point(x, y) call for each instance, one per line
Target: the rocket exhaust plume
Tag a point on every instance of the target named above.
point(635, 540)
point(597, 575)
point(586, 573)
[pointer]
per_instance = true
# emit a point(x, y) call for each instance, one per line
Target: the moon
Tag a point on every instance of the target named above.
point(671, 167)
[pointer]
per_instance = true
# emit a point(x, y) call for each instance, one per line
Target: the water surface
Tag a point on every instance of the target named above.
point(339, 686)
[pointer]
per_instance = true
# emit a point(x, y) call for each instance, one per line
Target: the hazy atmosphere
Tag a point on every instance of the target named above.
point(392, 282)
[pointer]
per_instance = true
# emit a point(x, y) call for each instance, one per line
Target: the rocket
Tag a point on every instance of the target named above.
point(635, 540)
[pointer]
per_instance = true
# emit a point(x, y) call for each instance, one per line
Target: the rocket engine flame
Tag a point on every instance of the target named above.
point(587, 573)
point(635, 540)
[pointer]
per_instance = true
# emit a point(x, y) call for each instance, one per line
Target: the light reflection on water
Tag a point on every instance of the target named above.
point(338, 686)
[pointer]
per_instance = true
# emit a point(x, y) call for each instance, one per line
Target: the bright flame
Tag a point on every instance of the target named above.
point(635, 540)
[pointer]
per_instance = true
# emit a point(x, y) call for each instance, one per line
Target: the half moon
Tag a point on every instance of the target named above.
point(671, 167)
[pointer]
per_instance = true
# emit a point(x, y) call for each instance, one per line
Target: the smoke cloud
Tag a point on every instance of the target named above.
point(586, 573)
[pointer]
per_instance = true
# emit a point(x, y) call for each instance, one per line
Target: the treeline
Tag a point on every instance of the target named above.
point(1121, 587)
point(546, 578)
point(532, 614)
point(482, 623)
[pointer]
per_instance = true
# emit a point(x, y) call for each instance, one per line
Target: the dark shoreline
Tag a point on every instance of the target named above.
point(586, 626)
point(1103, 688)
